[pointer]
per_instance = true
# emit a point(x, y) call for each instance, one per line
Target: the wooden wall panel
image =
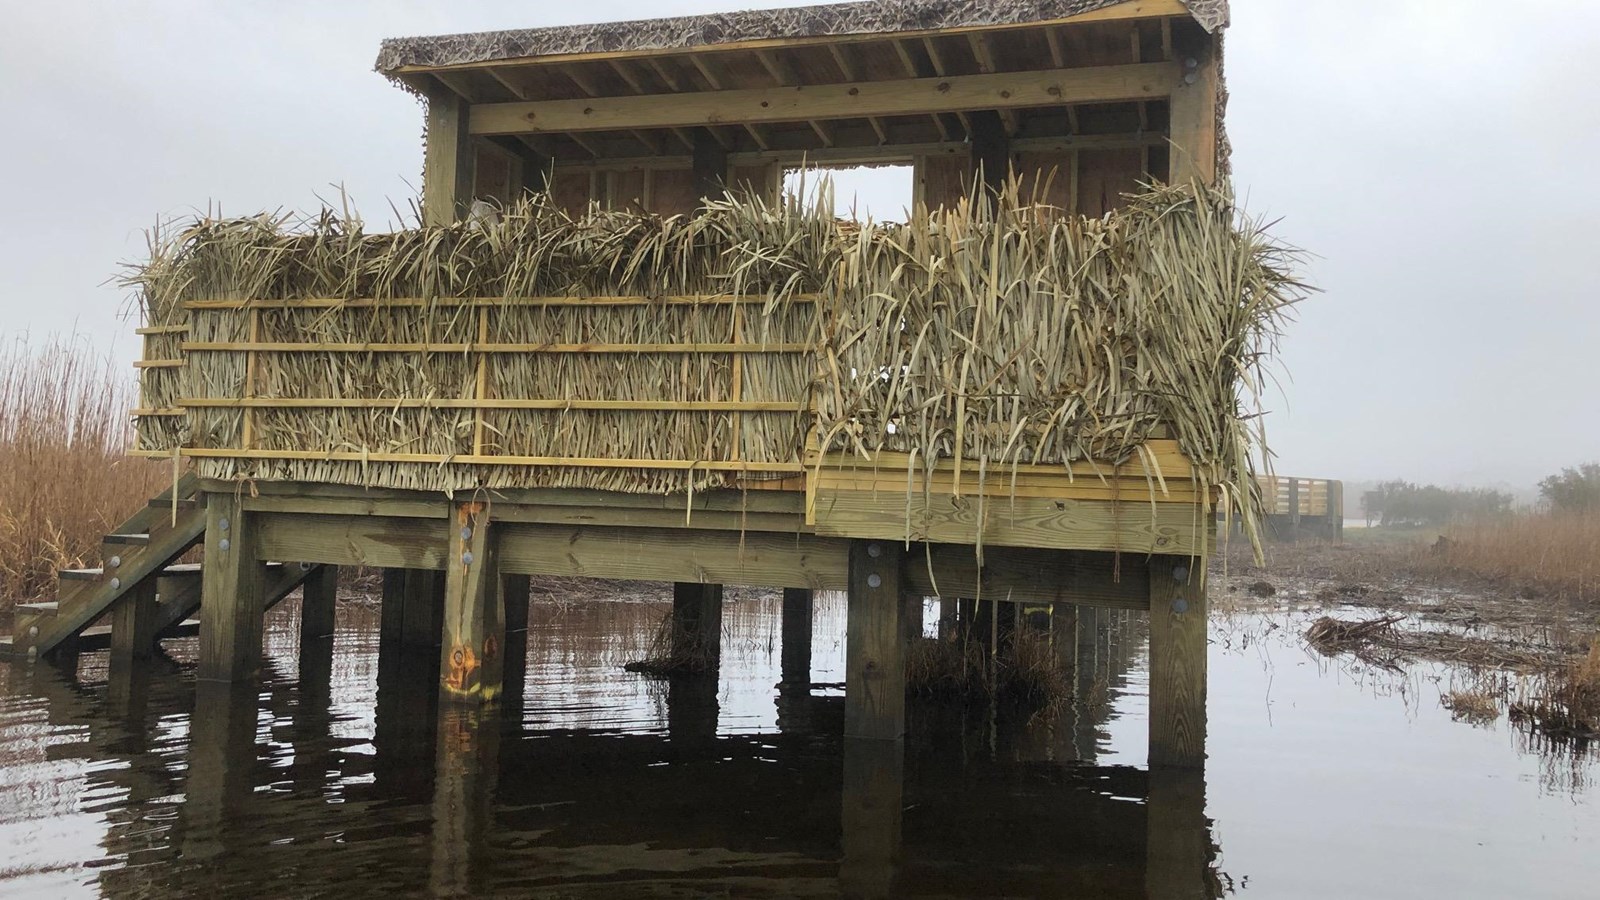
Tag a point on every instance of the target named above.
point(943, 180)
point(765, 180)
point(1104, 176)
point(672, 192)
point(569, 188)
point(1047, 177)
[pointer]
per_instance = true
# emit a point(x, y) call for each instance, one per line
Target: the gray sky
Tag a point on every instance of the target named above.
point(1436, 156)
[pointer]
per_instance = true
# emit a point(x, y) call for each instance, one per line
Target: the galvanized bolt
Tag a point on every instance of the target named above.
point(466, 558)
point(305, 567)
point(1191, 63)
point(466, 534)
point(224, 544)
point(222, 524)
point(1180, 606)
point(874, 580)
point(1180, 574)
point(33, 631)
point(1191, 78)
point(874, 551)
point(116, 584)
point(114, 562)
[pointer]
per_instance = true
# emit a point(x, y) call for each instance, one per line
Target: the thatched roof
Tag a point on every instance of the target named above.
point(687, 32)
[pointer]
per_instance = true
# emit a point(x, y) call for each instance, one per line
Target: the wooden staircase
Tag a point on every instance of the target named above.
point(142, 550)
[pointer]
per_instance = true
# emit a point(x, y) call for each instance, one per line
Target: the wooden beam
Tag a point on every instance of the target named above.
point(710, 166)
point(318, 598)
point(133, 628)
point(795, 635)
point(1178, 613)
point(471, 662)
point(1010, 90)
point(983, 52)
point(875, 645)
point(449, 162)
point(1194, 113)
point(697, 625)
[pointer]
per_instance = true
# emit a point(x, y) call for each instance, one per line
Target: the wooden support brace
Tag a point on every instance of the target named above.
point(1177, 662)
point(875, 646)
point(472, 662)
point(233, 593)
point(133, 627)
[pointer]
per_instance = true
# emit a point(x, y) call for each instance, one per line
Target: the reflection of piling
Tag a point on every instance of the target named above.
point(467, 769)
point(222, 735)
point(1179, 851)
point(697, 625)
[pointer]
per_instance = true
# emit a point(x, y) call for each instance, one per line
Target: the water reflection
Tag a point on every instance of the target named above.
point(340, 771)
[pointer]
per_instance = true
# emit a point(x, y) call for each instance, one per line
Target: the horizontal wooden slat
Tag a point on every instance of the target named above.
point(270, 347)
point(162, 329)
point(434, 459)
point(172, 413)
point(1165, 455)
point(470, 404)
point(1024, 522)
point(1127, 490)
point(915, 96)
point(370, 303)
point(159, 364)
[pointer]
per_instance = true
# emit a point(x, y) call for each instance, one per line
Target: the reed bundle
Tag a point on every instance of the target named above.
point(996, 332)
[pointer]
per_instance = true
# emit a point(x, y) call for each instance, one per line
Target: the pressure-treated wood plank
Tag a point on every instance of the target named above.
point(1161, 457)
point(1022, 522)
point(1023, 575)
point(317, 605)
point(1127, 490)
point(472, 660)
point(351, 540)
point(444, 459)
point(423, 302)
point(133, 627)
point(477, 404)
point(641, 554)
point(233, 592)
point(795, 635)
point(1194, 113)
point(1178, 613)
point(911, 96)
point(448, 159)
point(275, 347)
point(395, 502)
point(875, 645)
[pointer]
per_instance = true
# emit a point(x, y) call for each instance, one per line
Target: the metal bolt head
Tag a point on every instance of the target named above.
point(222, 523)
point(1191, 63)
point(116, 584)
point(1180, 606)
point(114, 562)
point(224, 544)
point(1191, 78)
point(466, 533)
point(466, 558)
point(1180, 574)
point(874, 580)
point(874, 551)
point(33, 632)
point(306, 567)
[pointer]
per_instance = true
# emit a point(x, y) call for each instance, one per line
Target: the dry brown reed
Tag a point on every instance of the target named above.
point(996, 332)
point(1026, 676)
point(64, 477)
point(1542, 554)
point(1566, 705)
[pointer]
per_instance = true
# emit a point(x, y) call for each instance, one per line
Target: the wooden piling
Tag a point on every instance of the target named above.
point(422, 609)
point(798, 607)
point(472, 663)
point(1177, 662)
point(697, 625)
point(871, 814)
point(875, 647)
point(391, 621)
point(133, 627)
point(317, 598)
point(233, 593)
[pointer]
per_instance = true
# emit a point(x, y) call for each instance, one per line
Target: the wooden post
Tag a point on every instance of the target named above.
point(948, 614)
point(1064, 638)
point(317, 598)
point(422, 608)
point(466, 771)
point(514, 607)
point(232, 593)
point(449, 159)
point(517, 589)
point(1194, 111)
point(991, 150)
point(1177, 662)
point(798, 604)
point(133, 627)
point(911, 619)
point(697, 625)
point(471, 665)
point(1294, 510)
point(710, 166)
point(875, 647)
point(391, 624)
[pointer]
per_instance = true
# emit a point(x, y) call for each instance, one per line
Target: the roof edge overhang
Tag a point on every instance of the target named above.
point(754, 29)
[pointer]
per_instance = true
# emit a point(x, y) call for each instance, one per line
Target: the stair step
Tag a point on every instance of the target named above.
point(138, 540)
point(8, 648)
point(183, 505)
point(38, 609)
point(80, 574)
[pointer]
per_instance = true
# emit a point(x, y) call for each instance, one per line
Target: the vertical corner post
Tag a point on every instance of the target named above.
point(317, 598)
point(875, 646)
point(232, 593)
point(472, 661)
point(1178, 613)
point(133, 627)
point(448, 162)
point(1194, 110)
point(697, 626)
point(710, 166)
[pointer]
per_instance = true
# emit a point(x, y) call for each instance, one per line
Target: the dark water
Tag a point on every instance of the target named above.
point(1324, 781)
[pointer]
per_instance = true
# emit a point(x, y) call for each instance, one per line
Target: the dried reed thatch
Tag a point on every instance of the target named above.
point(1001, 333)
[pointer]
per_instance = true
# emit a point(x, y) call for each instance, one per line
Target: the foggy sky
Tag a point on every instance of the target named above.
point(1437, 157)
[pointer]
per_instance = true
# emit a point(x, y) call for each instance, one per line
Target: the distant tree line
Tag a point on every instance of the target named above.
point(1401, 503)
point(1574, 490)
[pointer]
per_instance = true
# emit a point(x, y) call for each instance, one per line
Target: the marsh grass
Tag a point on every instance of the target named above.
point(1027, 677)
point(65, 478)
point(1540, 554)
